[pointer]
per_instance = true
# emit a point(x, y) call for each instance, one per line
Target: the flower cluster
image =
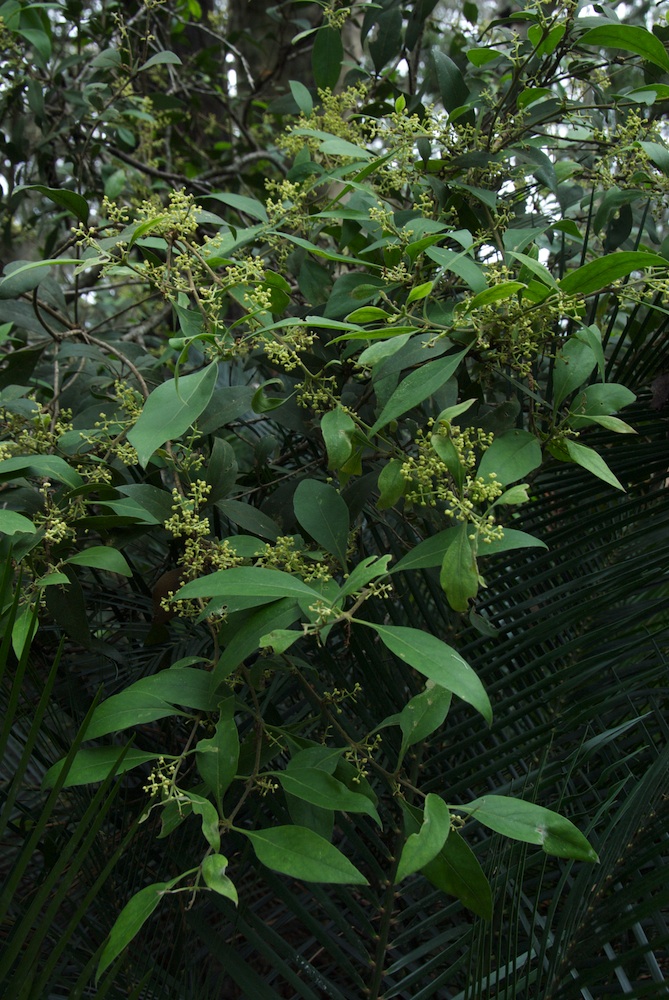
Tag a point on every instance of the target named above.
point(451, 482)
point(161, 780)
point(287, 553)
point(201, 553)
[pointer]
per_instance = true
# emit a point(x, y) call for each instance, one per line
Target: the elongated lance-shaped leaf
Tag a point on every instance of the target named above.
point(301, 853)
point(170, 411)
point(437, 661)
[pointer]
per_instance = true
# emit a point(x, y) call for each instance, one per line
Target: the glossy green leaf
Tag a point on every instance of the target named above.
point(457, 872)
point(43, 466)
point(11, 522)
point(301, 96)
point(336, 427)
point(438, 662)
point(392, 484)
point(532, 824)
point(416, 387)
point(511, 457)
point(459, 263)
point(249, 581)
point(322, 512)
point(130, 921)
point(249, 518)
point(422, 847)
point(326, 58)
point(603, 399)
point(101, 557)
point(322, 789)
point(452, 87)
point(630, 38)
point(95, 764)
point(279, 639)
point(168, 413)
point(590, 460)
point(241, 640)
point(512, 539)
point(163, 58)
point(459, 575)
point(23, 276)
point(213, 873)
point(153, 698)
point(72, 202)
point(209, 817)
point(427, 553)
point(423, 714)
point(217, 757)
point(301, 853)
point(597, 274)
point(248, 206)
point(573, 366)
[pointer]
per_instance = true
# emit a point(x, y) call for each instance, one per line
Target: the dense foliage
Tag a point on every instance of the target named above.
point(334, 595)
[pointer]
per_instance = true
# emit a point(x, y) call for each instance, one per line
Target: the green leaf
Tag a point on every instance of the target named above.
point(512, 539)
point(241, 640)
point(210, 820)
point(301, 853)
point(371, 568)
point(423, 715)
point(438, 662)
point(456, 871)
point(323, 758)
point(217, 758)
point(602, 399)
point(417, 387)
point(422, 847)
point(452, 87)
point(392, 484)
point(326, 58)
point(101, 557)
point(11, 523)
point(130, 920)
point(161, 59)
point(213, 873)
point(336, 427)
point(658, 154)
point(610, 423)
point(248, 206)
point(69, 200)
point(251, 581)
point(419, 292)
point(43, 466)
point(279, 639)
point(573, 366)
point(301, 96)
point(461, 264)
point(249, 518)
point(427, 553)
point(479, 57)
point(630, 38)
point(92, 765)
point(590, 460)
point(532, 824)
point(382, 349)
point(168, 413)
point(321, 511)
point(510, 457)
point(496, 293)
point(152, 698)
point(459, 575)
point(322, 789)
point(600, 273)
